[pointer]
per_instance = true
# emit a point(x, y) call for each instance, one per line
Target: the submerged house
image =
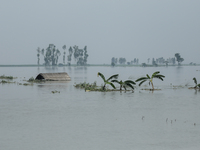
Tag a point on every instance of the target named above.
point(61, 76)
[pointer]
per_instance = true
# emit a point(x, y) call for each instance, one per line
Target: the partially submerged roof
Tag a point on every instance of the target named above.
point(61, 76)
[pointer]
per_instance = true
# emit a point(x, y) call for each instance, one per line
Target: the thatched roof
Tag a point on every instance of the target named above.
point(61, 76)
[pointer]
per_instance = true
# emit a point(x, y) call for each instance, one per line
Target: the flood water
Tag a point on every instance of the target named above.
point(33, 118)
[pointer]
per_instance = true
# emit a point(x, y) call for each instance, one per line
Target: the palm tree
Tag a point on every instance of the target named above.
point(150, 79)
point(127, 83)
point(195, 81)
point(108, 80)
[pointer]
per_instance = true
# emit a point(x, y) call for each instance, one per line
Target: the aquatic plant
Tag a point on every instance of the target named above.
point(26, 84)
point(55, 91)
point(4, 81)
point(108, 80)
point(86, 86)
point(31, 79)
point(196, 85)
point(34, 80)
point(6, 77)
point(125, 84)
point(92, 87)
point(150, 79)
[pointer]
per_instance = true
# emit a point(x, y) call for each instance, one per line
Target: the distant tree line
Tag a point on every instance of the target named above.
point(122, 61)
point(172, 60)
point(177, 57)
point(51, 55)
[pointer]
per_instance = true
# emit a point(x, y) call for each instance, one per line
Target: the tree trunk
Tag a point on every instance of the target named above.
point(152, 85)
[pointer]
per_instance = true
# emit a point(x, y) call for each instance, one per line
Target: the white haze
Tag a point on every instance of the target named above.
point(110, 28)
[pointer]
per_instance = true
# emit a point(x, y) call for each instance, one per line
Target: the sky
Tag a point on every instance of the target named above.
point(109, 28)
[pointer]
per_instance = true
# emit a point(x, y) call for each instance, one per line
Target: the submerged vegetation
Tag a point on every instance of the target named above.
point(108, 80)
point(4, 81)
point(125, 84)
point(86, 86)
point(93, 87)
point(55, 92)
point(197, 86)
point(33, 80)
point(26, 84)
point(6, 77)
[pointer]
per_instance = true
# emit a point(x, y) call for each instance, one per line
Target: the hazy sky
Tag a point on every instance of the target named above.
point(110, 28)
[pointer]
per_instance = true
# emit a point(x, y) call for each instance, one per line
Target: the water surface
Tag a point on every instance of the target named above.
point(32, 117)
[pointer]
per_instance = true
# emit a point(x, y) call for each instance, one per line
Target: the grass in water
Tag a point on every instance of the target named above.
point(4, 81)
point(6, 77)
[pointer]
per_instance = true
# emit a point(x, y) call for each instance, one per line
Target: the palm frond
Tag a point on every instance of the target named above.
point(155, 73)
point(198, 85)
point(148, 76)
point(112, 85)
point(101, 75)
point(113, 76)
point(130, 85)
point(116, 81)
point(142, 78)
point(195, 80)
point(159, 77)
point(129, 81)
point(142, 82)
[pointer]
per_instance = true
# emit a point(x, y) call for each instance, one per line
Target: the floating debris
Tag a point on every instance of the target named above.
point(55, 92)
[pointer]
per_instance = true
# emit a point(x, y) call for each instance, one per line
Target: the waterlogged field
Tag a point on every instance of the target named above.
point(56, 115)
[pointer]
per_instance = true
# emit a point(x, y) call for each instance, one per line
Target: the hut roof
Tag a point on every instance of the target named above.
point(61, 76)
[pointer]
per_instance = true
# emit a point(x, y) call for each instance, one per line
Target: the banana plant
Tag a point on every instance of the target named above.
point(150, 79)
point(195, 81)
point(108, 80)
point(125, 84)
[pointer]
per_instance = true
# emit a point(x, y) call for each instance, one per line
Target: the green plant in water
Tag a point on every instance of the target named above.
point(150, 79)
point(4, 81)
point(125, 84)
point(86, 86)
point(34, 80)
point(6, 77)
point(108, 80)
point(31, 79)
point(55, 91)
point(196, 85)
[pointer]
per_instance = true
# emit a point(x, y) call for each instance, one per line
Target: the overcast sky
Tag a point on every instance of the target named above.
point(110, 28)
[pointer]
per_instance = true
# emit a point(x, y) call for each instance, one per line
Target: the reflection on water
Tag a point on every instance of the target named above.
point(32, 117)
